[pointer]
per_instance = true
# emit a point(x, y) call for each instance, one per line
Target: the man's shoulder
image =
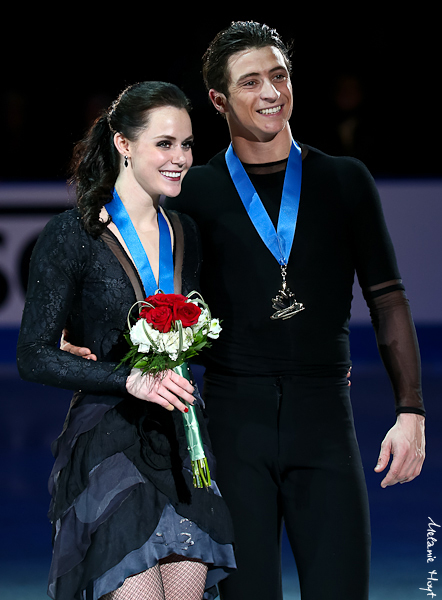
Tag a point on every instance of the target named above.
point(201, 183)
point(319, 159)
point(215, 167)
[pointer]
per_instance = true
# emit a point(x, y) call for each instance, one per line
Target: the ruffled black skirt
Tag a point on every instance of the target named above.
point(123, 498)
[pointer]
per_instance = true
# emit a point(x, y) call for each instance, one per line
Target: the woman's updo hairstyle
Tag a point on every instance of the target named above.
point(96, 161)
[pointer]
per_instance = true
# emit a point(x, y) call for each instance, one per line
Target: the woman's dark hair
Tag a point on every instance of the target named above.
point(96, 162)
point(239, 36)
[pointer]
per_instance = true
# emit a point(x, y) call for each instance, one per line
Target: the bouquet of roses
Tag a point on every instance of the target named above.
point(170, 330)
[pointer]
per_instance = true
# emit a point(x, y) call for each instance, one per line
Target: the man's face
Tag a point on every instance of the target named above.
point(260, 98)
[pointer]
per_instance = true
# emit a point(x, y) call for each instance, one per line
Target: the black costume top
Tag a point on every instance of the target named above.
point(120, 462)
point(340, 231)
point(77, 281)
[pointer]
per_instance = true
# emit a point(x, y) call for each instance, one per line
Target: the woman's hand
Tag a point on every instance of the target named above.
point(165, 391)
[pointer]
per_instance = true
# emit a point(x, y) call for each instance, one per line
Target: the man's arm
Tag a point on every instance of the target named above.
point(397, 343)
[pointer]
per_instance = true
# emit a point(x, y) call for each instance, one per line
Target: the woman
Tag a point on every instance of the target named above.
point(127, 522)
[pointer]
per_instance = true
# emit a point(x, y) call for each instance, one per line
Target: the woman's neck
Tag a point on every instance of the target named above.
point(141, 207)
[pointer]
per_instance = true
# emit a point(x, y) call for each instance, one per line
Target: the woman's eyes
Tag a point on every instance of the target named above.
point(166, 144)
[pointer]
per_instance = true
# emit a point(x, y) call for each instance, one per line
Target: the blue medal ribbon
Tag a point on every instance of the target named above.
point(278, 241)
point(121, 218)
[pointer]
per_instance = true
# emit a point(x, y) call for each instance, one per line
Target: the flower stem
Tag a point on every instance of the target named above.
point(200, 467)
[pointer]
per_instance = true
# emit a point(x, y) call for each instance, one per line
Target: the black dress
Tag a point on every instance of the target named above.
point(122, 493)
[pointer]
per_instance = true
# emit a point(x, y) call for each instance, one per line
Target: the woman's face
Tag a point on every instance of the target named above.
point(161, 156)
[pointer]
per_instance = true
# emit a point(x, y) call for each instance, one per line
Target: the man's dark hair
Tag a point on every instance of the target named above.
point(239, 36)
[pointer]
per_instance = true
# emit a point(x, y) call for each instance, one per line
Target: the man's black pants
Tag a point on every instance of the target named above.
point(287, 452)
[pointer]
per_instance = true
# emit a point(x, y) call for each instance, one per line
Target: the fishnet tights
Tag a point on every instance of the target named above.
point(176, 579)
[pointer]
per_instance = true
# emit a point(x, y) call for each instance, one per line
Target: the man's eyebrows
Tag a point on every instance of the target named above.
point(257, 73)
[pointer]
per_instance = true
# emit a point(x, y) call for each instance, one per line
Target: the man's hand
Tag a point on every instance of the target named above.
point(77, 350)
point(406, 442)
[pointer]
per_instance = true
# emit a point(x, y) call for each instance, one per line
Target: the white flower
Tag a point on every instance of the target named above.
point(215, 329)
point(138, 335)
point(170, 343)
point(203, 320)
point(187, 337)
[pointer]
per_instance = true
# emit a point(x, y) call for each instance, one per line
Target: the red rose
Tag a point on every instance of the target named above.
point(164, 309)
point(159, 317)
point(187, 313)
point(166, 299)
point(160, 300)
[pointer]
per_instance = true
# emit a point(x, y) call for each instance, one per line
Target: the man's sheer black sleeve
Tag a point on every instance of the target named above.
point(397, 342)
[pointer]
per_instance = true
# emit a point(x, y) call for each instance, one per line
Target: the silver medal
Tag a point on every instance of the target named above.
point(285, 303)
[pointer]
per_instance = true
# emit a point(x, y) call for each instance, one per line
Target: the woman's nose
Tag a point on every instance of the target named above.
point(178, 157)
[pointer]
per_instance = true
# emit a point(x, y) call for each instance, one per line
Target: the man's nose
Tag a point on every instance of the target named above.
point(269, 91)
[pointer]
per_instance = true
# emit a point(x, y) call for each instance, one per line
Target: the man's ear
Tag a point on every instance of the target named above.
point(219, 101)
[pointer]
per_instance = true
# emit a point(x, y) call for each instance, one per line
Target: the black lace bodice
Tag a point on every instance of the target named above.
point(76, 281)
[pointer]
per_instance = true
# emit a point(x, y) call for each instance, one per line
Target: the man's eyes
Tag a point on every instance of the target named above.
point(280, 77)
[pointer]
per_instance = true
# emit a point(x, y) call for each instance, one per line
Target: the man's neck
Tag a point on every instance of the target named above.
point(258, 152)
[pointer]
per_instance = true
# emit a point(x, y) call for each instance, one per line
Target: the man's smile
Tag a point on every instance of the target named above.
point(270, 111)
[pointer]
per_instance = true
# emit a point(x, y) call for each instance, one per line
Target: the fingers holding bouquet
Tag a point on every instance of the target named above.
point(167, 390)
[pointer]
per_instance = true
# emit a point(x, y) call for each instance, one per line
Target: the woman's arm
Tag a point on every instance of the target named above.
point(58, 263)
point(57, 266)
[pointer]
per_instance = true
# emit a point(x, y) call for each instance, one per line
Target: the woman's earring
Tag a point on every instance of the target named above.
point(126, 164)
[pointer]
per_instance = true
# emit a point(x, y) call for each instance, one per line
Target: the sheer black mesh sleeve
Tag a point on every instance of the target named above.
point(397, 342)
point(379, 277)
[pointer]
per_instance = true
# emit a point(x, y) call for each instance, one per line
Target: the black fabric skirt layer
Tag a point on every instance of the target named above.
point(120, 467)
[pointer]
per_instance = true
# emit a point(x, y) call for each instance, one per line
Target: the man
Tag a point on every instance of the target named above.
point(278, 269)
point(275, 389)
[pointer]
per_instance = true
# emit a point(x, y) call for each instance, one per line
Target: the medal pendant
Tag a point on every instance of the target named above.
point(285, 303)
